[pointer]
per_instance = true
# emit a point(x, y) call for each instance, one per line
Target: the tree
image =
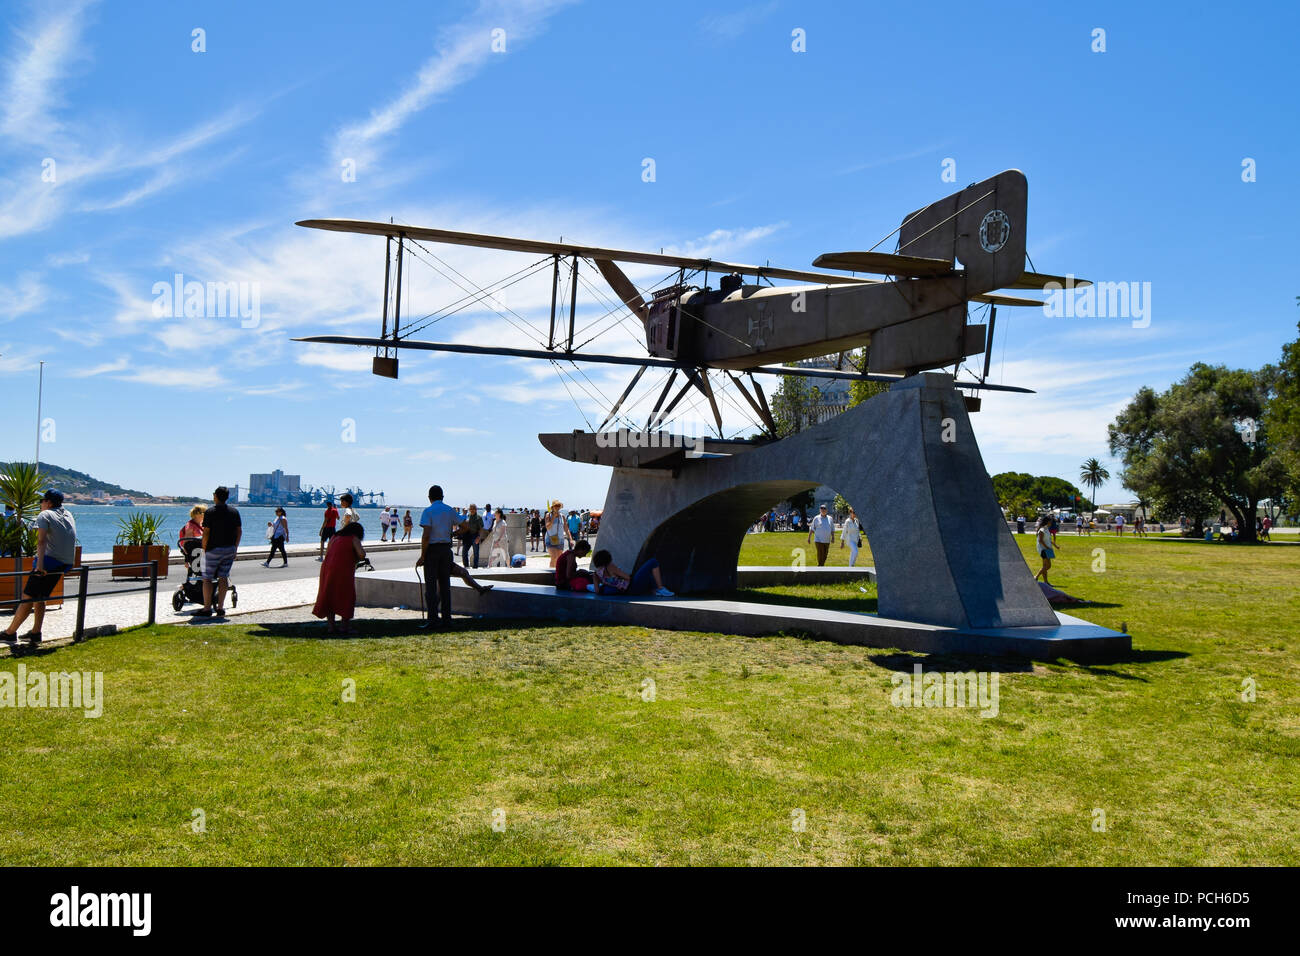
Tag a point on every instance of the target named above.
point(1282, 417)
point(20, 489)
point(1195, 506)
point(860, 389)
point(1202, 436)
point(793, 405)
point(1093, 475)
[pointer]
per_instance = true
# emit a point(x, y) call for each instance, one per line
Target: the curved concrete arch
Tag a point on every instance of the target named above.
point(908, 462)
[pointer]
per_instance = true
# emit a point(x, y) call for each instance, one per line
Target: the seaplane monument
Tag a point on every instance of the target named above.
point(950, 576)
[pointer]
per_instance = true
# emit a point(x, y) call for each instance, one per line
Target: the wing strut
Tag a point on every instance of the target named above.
point(761, 411)
point(662, 395)
point(700, 379)
point(686, 387)
point(622, 398)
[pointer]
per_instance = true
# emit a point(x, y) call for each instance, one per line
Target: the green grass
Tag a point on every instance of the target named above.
point(548, 723)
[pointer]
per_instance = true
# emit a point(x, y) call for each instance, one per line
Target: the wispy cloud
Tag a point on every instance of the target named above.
point(25, 295)
point(48, 49)
point(462, 50)
point(732, 25)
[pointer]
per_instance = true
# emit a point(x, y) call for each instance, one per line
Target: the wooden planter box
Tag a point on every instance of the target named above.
point(137, 553)
point(11, 589)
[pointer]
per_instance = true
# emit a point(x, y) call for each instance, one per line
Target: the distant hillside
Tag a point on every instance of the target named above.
point(77, 482)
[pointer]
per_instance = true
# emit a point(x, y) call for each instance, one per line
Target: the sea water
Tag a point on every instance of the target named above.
point(97, 525)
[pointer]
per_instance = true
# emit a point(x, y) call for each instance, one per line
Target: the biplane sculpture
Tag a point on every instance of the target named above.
point(915, 438)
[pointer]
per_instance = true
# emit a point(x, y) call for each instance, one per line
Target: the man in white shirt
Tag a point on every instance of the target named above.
point(820, 531)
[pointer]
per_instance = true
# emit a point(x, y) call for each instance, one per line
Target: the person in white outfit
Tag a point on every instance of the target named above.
point(499, 550)
point(852, 536)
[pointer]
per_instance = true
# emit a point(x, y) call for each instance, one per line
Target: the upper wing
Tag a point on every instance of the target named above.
point(570, 249)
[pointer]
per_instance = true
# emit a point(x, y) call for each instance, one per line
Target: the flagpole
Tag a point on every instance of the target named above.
point(40, 392)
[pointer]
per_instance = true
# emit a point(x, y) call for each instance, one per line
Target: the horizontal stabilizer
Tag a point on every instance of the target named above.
point(884, 263)
point(1039, 280)
point(993, 298)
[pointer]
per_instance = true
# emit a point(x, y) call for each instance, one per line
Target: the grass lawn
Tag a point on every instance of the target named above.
point(549, 725)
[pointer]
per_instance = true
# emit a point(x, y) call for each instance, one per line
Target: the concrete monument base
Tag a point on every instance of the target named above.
point(906, 460)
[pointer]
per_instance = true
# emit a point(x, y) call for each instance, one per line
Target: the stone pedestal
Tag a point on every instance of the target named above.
point(906, 460)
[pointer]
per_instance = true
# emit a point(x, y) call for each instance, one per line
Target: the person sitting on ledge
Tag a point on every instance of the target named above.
point(568, 576)
point(610, 579)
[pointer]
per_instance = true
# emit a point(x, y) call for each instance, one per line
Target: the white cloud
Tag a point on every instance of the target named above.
point(48, 50)
point(26, 295)
point(462, 50)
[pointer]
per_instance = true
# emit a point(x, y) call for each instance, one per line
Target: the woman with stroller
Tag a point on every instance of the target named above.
point(194, 527)
point(336, 595)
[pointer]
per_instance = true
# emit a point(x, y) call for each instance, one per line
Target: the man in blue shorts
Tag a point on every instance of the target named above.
point(221, 533)
point(56, 548)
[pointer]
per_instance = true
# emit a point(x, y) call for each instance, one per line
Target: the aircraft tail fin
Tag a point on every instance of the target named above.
point(982, 227)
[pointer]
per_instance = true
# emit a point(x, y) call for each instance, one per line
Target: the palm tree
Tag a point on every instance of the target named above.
point(1093, 475)
point(20, 489)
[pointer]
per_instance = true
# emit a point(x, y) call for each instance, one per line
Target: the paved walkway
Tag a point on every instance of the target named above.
point(290, 600)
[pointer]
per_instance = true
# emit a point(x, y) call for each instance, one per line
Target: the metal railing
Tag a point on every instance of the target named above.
point(83, 583)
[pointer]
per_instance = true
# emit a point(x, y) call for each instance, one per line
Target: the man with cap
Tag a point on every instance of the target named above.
point(820, 532)
point(56, 548)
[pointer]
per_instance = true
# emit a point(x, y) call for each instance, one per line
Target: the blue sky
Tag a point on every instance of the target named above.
point(167, 160)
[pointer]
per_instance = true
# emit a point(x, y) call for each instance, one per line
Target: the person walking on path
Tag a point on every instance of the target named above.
point(407, 525)
point(194, 527)
point(438, 524)
point(821, 530)
point(575, 526)
point(222, 530)
point(556, 532)
point(471, 535)
point(328, 523)
point(336, 594)
point(279, 538)
point(852, 535)
point(534, 530)
point(1119, 525)
point(499, 542)
point(385, 519)
point(1043, 542)
point(56, 549)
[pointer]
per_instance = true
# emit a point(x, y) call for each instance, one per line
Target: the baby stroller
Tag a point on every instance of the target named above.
point(191, 592)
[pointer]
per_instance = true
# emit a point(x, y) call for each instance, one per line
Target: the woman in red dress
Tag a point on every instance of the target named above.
point(337, 593)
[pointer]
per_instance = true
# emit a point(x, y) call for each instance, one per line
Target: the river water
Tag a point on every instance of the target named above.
point(97, 525)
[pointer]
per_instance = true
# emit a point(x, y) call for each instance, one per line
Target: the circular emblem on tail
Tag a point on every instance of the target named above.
point(995, 230)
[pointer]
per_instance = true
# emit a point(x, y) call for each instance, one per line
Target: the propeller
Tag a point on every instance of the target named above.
point(623, 288)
